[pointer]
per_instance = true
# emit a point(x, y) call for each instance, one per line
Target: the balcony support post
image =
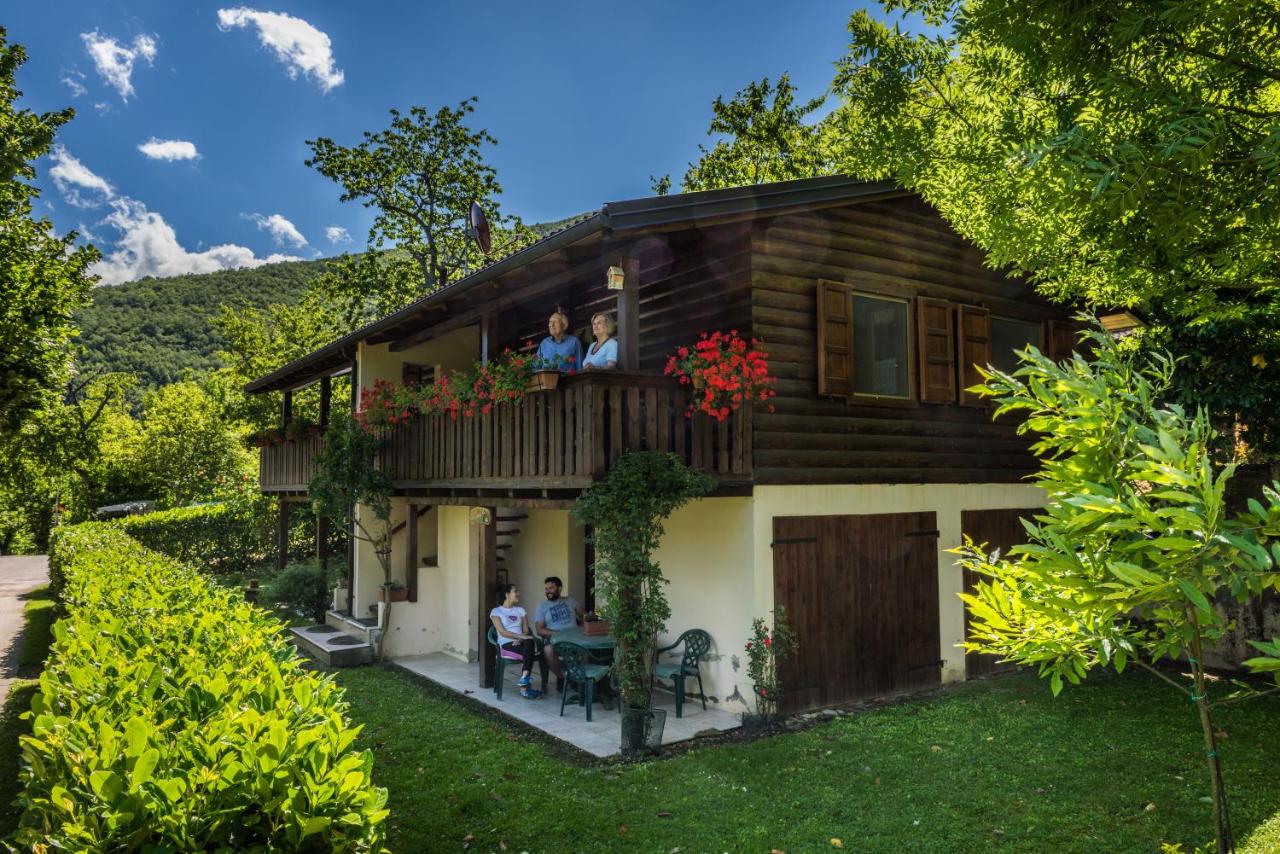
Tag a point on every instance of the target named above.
point(326, 397)
point(351, 534)
point(488, 571)
point(322, 542)
point(629, 316)
point(411, 553)
point(282, 534)
point(286, 408)
point(488, 336)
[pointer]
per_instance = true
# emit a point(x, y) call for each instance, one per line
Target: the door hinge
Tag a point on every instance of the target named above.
point(932, 533)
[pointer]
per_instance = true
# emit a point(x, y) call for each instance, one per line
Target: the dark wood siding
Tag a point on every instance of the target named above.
point(999, 529)
point(894, 246)
point(861, 595)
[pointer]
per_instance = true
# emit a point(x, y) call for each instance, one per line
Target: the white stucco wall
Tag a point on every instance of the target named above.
point(549, 543)
point(458, 583)
point(946, 500)
point(415, 628)
point(706, 554)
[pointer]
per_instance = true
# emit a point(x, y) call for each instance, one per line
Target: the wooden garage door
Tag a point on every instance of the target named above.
point(861, 594)
point(999, 529)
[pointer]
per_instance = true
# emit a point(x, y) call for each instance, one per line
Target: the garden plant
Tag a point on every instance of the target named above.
point(764, 650)
point(1124, 564)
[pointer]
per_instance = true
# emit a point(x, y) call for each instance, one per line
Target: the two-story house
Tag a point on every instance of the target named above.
point(839, 502)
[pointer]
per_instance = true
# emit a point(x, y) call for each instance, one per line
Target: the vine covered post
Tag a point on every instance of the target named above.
point(626, 510)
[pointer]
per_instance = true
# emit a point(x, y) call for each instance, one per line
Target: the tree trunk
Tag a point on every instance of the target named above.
point(1221, 818)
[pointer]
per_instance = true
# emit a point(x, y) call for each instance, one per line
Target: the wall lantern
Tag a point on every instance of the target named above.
point(615, 278)
point(1120, 320)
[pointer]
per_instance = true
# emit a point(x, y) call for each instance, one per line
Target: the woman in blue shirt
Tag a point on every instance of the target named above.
point(560, 350)
point(602, 355)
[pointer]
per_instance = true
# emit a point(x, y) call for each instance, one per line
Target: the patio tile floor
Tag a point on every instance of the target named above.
point(600, 737)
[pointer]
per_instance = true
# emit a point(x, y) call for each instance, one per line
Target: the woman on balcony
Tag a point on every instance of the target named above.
point(602, 355)
point(560, 350)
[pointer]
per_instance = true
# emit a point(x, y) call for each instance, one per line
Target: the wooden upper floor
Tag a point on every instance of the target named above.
point(873, 312)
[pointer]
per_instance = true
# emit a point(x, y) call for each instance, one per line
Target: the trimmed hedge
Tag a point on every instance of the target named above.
point(230, 537)
point(173, 717)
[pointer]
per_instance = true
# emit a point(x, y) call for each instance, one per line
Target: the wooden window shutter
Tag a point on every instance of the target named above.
point(935, 340)
point(974, 329)
point(1061, 339)
point(835, 339)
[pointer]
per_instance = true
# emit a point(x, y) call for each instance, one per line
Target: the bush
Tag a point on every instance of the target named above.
point(223, 538)
point(173, 717)
point(302, 587)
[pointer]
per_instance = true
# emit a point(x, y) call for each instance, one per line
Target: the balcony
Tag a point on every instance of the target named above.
point(562, 439)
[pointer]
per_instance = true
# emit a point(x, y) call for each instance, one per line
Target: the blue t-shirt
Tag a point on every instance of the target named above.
point(601, 358)
point(553, 355)
point(558, 615)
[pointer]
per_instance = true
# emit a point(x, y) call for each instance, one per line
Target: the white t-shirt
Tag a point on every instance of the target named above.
point(512, 620)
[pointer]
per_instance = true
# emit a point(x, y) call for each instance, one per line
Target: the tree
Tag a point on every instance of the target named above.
point(625, 511)
point(1125, 562)
point(43, 278)
point(1120, 153)
point(766, 139)
point(420, 175)
point(352, 489)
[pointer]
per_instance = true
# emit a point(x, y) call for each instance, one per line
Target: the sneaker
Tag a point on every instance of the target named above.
point(523, 681)
point(531, 693)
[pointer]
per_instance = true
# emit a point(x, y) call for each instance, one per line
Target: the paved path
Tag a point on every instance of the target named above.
point(18, 577)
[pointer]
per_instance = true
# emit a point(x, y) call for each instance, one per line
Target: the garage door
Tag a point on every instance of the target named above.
point(861, 594)
point(999, 529)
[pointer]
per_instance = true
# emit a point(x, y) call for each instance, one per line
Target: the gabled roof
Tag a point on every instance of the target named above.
point(634, 215)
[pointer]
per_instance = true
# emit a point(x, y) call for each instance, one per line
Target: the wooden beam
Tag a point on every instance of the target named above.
point(286, 408)
point(326, 397)
point(629, 316)
point(488, 335)
point(488, 578)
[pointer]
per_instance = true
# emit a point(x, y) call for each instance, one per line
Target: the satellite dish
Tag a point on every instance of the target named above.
point(480, 229)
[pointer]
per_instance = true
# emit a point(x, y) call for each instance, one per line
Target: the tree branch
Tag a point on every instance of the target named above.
point(1175, 684)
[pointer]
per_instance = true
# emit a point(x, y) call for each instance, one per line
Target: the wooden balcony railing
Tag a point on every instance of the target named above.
point(287, 467)
point(564, 438)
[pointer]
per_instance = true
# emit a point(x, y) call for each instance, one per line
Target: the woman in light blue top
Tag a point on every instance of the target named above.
point(602, 355)
point(559, 350)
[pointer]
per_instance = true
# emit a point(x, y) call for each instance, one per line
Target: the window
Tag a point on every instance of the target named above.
point(419, 375)
point(880, 346)
point(1008, 336)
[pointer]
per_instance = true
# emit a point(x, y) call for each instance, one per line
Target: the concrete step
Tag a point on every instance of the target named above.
point(359, 628)
point(331, 647)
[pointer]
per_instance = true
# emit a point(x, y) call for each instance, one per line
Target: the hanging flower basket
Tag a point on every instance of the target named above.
point(723, 372)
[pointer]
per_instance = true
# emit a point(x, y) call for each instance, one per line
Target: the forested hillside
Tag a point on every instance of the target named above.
point(159, 328)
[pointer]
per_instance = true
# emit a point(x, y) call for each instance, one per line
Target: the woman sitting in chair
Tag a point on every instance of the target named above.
point(515, 638)
point(602, 355)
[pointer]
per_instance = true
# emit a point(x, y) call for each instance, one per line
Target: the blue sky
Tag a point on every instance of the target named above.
point(586, 99)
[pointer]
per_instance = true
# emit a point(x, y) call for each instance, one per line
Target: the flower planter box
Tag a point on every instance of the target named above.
point(398, 594)
point(544, 380)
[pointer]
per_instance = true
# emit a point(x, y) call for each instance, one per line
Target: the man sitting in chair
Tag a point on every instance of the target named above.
point(555, 614)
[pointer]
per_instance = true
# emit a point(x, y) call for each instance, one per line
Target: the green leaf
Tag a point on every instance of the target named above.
point(1193, 593)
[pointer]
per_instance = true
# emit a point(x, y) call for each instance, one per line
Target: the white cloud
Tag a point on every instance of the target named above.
point(114, 61)
point(282, 231)
point(148, 246)
point(77, 183)
point(169, 149)
point(337, 234)
point(74, 81)
point(300, 46)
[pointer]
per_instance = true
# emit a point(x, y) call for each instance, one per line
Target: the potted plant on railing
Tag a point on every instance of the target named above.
point(723, 372)
point(547, 372)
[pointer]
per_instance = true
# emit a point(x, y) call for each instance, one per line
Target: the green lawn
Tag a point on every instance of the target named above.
point(1113, 765)
point(40, 612)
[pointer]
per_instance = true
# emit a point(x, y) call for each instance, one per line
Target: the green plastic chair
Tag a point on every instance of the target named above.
point(696, 643)
point(502, 659)
point(579, 671)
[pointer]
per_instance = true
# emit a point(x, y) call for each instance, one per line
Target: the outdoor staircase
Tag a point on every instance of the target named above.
point(508, 520)
point(341, 641)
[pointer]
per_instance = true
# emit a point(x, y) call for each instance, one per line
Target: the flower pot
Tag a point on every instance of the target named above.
point(595, 627)
point(544, 380)
point(398, 594)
